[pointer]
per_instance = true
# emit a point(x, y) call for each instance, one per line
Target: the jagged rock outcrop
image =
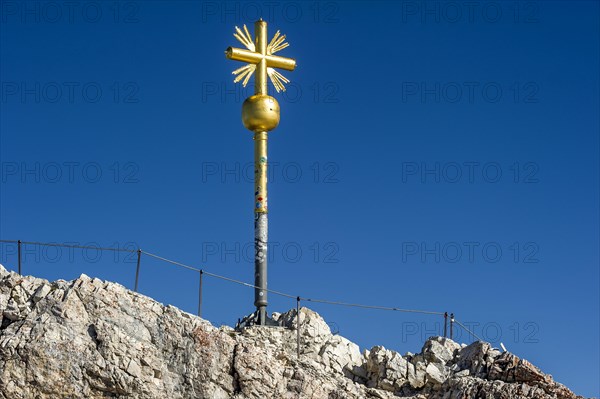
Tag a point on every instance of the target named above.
point(92, 339)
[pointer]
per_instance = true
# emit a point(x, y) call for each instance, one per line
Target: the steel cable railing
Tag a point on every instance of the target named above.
point(203, 272)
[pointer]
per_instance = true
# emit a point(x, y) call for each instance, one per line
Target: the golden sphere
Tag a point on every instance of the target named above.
point(260, 113)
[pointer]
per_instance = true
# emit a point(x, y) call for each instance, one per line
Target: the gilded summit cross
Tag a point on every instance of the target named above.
point(260, 115)
point(260, 58)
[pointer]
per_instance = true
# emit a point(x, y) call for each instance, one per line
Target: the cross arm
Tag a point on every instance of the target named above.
point(252, 57)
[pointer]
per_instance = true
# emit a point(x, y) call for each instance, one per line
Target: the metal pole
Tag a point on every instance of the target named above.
point(451, 325)
point(137, 269)
point(261, 225)
point(19, 255)
point(298, 327)
point(445, 324)
point(200, 294)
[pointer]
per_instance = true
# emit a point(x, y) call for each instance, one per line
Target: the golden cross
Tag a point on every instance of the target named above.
point(260, 58)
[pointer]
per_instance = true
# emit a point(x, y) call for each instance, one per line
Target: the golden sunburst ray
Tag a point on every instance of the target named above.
point(277, 43)
point(273, 40)
point(245, 38)
point(277, 79)
point(244, 73)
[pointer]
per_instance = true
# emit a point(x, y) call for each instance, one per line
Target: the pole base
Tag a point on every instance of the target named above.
point(254, 320)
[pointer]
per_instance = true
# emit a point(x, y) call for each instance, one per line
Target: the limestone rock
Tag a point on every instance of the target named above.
point(387, 369)
point(93, 339)
point(440, 350)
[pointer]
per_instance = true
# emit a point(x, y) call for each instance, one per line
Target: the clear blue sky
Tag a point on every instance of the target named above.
point(439, 156)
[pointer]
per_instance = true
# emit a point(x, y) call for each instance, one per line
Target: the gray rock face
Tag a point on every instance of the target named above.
point(92, 339)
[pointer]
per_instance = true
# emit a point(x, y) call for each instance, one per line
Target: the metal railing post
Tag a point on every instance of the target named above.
point(200, 294)
point(19, 255)
point(451, 325)
point(445, 324)
point(298, 327)
point(137, 269)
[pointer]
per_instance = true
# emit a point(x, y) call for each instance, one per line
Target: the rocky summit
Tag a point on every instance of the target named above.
point(93, 339)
